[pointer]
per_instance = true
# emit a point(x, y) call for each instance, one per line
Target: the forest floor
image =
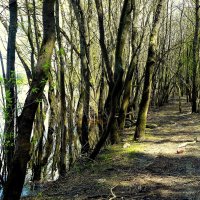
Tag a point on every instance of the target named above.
point(151, 169)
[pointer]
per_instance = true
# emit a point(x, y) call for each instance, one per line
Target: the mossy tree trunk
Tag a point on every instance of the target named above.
point(195, 55)
point(63, 105)
point(151, 61)
point(118, 79)
point(124, 26)
point(129, 75)
point(71, 91)
point(16, 177)
point(38, 135)
point(107, 61)
point(85, 72)
point(52, 122)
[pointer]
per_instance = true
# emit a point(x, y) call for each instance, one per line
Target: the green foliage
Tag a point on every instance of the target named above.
point(43, 81)
point(21, 79)
point(61, 51)
point(34, 90)
point(7, 139)
point(38, 100)
point(1, 79)
point(46, 65)
point(34, 140)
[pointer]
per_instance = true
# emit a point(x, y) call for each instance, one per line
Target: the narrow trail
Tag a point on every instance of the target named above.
point(150, 170)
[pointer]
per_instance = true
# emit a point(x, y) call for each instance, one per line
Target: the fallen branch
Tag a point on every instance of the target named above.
point(181, 147)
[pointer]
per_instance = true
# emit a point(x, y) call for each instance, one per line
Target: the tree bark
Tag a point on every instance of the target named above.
point(118, 76)
point(99, 8)
point(195, 59)
point(63, 106)
point(129, 75)
point(124, 25)
point(10, 84)
point(52, 122)
point(151, 61)
point(85, 72)
point(21, 156)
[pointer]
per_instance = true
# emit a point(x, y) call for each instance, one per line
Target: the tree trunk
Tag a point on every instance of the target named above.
point(85, 72)
point(195, 59)
point(151, 60)
point(38, 150)
point(129, 76)
point(63, 106)
point(118, 75)
point(110, 119)
point(21, 156)
point(101, 101)
point(10, 83)
point(52, 122)
point(124, 25)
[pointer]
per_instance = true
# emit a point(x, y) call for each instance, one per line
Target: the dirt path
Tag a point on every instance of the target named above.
point(151, 169)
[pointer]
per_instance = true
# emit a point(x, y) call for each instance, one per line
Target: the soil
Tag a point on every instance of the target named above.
point(164, 165)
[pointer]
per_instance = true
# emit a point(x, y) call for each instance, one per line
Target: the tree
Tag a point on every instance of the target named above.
point(150, 64)
point(195, 55)
point(85, 72)
point(63, 107)
point(10, 86)
point(123, 30)
point(21, 156)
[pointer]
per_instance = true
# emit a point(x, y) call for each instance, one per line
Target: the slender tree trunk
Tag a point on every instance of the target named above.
point(188, 88)
point(52, 122)
point(21, 156)
point(151, 60)
point(36, 29)
point(108, 64)
point(10, 83)
point(104, 50)
point(63, 106)
point(30, 36)
point(71, 98)
point(101, 101)
point(85, 72)
point(79, 112)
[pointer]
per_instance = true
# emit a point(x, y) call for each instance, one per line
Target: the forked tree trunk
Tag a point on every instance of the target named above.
point(21, 156)
point(124, 25)
point(151, 60)
point(111, 118)
point(118, 79)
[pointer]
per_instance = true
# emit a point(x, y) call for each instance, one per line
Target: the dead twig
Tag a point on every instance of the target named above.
point(113, 194)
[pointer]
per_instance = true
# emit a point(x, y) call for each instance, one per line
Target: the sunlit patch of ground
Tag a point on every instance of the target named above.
point(150, 170)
